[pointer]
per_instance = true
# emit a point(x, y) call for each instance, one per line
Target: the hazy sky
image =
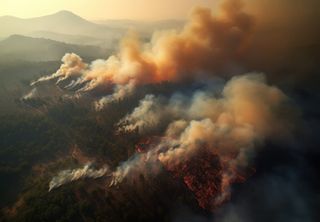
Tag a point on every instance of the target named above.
point(104, 9)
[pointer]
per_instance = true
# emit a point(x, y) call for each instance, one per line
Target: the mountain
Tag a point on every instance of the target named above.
point(40, 49)
point(65, 26)
point(66, 38)
point(61, 23)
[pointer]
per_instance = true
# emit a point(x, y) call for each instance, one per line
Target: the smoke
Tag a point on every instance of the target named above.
point(32, 94)
point(231, 126)
point(244, 100)
point(241, 36)
point(139, 164)
point(281, 193)
point(72, 66)
point(67, 176)
point(207, 45)
point(67, 77)
point(285, 198)
point(120, 92)
point(147, 117)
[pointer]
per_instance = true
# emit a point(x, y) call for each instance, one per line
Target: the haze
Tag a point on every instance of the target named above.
point(104, 9)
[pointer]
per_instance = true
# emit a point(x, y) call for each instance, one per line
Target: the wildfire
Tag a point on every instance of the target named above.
point(206, 174)
point(202, 175)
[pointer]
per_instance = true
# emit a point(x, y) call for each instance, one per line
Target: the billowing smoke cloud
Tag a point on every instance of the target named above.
point(72, 66)
point(67, 176)
point(236, 38)
point(207, 45)
point(67, 77)
point(246, 97)
point(230, 126)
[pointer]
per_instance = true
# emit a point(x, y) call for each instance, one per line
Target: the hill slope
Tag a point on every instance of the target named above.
point(63, 22)
point(39, 49)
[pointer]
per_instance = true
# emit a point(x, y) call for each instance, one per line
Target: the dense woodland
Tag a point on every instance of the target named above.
point(36, 141)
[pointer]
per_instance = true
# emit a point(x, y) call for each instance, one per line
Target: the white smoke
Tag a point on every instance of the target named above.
point(72, 66)
point(31, 95)
point(67, 176)
point(120, 92)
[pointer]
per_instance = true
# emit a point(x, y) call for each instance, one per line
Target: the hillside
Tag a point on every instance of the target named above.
point(40, 49)
point(67, 38)
point(65, 26)
point(60, 22)
point(63, 22)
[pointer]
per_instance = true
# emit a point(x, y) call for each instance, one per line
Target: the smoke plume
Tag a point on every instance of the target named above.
point(72, 66)
point(207, 45)
point(231, 126)
point(67, 176)
point(241, 36)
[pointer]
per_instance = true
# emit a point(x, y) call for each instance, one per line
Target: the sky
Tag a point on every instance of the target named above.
point(105, 9)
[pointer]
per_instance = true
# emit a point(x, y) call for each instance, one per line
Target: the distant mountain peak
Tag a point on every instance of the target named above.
point(65, 13)
point(67, 16)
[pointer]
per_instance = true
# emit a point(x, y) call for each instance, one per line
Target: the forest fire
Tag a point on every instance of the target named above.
point(206, 173)
point(140, 113)
point(202, 175)
point(143, 145)
point(147, 143)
